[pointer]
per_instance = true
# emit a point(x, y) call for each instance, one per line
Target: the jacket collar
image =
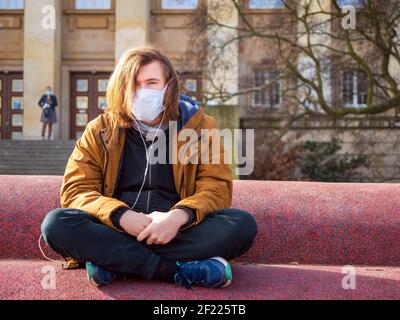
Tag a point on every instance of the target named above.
point(188, 108)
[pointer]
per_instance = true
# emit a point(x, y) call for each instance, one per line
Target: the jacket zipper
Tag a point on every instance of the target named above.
point(184, 179)
point(149, 192)
point(106, 162)
point(119, 171)
point(148, 201)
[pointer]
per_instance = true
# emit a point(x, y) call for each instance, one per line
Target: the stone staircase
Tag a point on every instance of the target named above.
point(34, 157)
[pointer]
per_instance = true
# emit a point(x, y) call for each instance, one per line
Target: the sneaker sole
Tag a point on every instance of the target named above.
point(228, 272)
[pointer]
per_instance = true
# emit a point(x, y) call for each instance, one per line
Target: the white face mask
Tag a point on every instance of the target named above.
point(49, 92)
point(148, 104)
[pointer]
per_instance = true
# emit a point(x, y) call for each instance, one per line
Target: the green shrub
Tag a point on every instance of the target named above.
point(320, 161)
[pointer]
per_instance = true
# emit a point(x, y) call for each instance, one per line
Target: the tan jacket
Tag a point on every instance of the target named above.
point(90, 176)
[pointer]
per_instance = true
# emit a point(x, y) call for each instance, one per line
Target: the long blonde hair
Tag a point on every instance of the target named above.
point(121, 89)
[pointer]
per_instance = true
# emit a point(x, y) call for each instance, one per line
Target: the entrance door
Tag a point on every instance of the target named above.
point(88, 99)
point(11, 105)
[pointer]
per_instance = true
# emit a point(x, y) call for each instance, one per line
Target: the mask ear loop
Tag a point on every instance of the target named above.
point(147, 155)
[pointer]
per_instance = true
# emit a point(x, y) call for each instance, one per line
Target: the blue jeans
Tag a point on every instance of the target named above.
point(227, 233)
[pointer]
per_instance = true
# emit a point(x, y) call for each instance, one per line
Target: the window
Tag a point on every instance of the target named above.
point(11, 4)
point(354, 87)
point(356, 3)
point(266, 4)
point(92, 4)
point(270, 93)
point(190, 84)
point(179, 4)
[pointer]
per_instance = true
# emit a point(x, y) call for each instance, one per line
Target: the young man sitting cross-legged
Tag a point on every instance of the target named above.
point(122, 214)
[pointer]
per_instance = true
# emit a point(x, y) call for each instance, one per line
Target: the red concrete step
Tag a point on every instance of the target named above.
point(303, 222)
point(26, 279)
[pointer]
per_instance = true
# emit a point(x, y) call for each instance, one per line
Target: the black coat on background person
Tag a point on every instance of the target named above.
point(52, 101)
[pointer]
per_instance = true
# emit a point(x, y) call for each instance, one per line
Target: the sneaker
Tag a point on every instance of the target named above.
point(214, 273)
point(99, 276)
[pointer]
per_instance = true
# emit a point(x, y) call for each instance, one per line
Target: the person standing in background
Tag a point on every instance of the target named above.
point(48, 103)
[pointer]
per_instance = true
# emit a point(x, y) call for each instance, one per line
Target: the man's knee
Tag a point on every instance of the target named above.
point(53, 223)
point(247, 224)
point(243, 225)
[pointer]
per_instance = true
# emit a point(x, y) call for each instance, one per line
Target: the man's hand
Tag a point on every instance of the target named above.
point(134, 222)
point(164, 226)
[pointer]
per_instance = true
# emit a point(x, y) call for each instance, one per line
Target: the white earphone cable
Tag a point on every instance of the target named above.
point(41, 251)
point(140, 190)
point(147, 155)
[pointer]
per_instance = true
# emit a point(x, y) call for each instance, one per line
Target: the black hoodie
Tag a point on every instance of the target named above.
point(158, 193)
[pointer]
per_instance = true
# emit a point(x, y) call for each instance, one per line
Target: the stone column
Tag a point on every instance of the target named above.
point(306, 65)
point(222, 70)
point(42, 61)
point(223, 64)
point(132, 26)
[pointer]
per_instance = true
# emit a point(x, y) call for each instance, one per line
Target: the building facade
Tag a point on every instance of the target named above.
point(75, 54)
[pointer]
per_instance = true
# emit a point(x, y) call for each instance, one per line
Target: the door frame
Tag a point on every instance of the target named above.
point(93, 94)
point(6, 95)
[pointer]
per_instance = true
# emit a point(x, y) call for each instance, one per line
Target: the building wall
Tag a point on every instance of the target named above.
point(261, 53)
point(88, 45)
point(88, 41)
point(374, 136)
point(377, 139)
point(11, 40)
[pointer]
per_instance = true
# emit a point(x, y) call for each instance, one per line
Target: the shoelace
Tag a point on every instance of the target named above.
point(181, 278)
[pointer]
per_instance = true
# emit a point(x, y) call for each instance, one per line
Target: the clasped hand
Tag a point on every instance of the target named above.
point(157, 227)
